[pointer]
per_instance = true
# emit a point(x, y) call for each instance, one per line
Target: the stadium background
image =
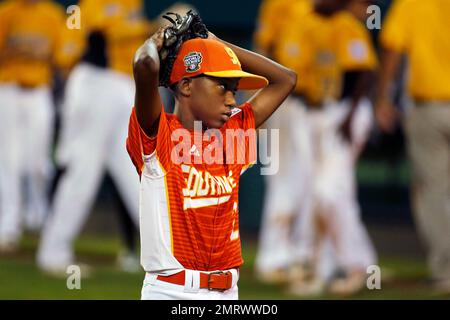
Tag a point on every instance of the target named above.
point(383, 184)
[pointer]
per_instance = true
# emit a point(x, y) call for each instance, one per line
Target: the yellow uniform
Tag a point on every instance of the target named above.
point(29, 37)
point(421, 29)
point(274, 17)
point(320, 49)
point(126, 36)
point(123, 24)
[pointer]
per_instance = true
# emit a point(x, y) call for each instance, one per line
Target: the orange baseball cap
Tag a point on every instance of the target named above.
point(215, 59)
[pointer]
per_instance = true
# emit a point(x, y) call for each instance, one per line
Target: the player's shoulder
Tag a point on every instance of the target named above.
point(172, 120)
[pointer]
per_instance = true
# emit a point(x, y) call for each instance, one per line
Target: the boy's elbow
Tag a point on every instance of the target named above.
point(146, 59)
point(145, 64)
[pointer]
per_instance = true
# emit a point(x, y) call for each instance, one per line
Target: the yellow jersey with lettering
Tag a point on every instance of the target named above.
point(320, 49)
point(30, 35)
point(421, 29)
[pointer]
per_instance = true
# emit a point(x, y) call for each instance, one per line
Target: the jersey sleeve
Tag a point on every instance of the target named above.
point(141, 147)
point(395, 31)
point(355, 49)
point(138, 143)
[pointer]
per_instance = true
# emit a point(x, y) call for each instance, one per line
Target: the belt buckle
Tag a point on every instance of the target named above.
point(209, 280)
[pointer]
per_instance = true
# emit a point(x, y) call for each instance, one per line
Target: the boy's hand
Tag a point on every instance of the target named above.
point(158, 38)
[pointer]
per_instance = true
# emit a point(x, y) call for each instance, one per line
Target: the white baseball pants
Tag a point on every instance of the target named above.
point(26, 126)
point(318, 175)
point(154, 289)
point(334, 192)
point(93, 139)
point(287, 191)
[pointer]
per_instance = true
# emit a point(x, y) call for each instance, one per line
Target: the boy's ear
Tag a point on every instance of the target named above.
point(184, 87)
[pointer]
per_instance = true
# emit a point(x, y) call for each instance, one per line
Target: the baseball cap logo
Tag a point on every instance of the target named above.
point(192, 61)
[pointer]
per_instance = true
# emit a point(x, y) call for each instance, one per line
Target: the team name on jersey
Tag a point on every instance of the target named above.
point(204, 189)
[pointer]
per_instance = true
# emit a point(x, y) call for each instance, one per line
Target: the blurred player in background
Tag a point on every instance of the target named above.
point(325, 241)
point(283, 190)
point(94, 122)
point(420, 29)
point(274, 17)
point(334, 50)
point(29, 40)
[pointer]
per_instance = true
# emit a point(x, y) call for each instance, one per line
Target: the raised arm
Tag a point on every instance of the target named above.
point(146, 66)
point(281, 82)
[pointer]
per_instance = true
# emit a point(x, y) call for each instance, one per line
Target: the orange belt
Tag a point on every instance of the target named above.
point(218, 281)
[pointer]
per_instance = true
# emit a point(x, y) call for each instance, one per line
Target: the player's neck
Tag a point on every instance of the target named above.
point(184, 115)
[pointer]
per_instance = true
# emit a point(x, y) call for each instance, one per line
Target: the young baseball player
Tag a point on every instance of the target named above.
point(286, 191)
point(190, 243)
point(29, 40)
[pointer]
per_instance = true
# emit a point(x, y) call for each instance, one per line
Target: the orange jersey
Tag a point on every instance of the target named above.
point(188, 210)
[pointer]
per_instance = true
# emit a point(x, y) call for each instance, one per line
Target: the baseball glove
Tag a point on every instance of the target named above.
point(183, 28)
